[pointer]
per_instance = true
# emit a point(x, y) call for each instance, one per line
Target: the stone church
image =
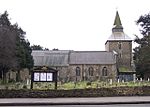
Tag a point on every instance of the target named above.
point(91, 65)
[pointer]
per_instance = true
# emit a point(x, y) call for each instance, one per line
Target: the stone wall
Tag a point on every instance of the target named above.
point(125, 51)
point(107, 92)
point(12, 75)
point(66, 74)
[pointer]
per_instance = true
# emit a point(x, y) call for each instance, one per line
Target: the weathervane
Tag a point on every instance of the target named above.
point(117, 8)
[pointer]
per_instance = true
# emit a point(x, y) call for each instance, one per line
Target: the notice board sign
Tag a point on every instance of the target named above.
point(44, 75)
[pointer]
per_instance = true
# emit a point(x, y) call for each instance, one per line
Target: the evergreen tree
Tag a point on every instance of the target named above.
point(142, 51)
point(7, 45)
point(36, 47)
point(15, 51)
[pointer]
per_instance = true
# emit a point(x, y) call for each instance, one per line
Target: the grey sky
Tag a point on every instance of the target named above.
point(73, 24)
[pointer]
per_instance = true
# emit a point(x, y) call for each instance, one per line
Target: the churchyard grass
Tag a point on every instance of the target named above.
point(73, 85)
point(87, 84)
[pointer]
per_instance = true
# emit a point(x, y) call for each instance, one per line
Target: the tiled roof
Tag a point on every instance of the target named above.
point(91, 57)
point(50, 58)
point(119, 36)
point(64, 58)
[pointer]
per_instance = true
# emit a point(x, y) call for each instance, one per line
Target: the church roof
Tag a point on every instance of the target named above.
point(50, 58)
point(115, 36)
point(64, 58)
point(91, 57)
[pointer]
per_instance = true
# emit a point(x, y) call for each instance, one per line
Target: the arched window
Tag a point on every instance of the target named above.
point(104, 71)
point(119, 45)
point(91, 70)
point(78, 70)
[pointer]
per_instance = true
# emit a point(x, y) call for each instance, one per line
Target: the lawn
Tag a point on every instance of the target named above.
point(73, 85)
point(86, 84)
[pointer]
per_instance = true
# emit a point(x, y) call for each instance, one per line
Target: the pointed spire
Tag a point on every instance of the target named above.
point(117, 22)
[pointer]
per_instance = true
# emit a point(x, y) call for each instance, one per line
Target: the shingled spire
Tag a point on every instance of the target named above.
point(117, 31)
point(117, 24)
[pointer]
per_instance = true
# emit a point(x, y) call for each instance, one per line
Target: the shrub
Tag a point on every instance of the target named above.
point(88, 83)
point(11, 81)
point(24, 87)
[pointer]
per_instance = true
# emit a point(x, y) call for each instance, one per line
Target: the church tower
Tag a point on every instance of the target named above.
point(120, 43)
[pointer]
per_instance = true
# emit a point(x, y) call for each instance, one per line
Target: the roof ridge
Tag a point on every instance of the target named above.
point(89, 51)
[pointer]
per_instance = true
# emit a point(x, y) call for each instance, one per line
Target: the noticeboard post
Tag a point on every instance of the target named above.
point(44, 75)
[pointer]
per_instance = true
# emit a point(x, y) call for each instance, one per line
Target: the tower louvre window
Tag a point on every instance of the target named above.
point(120, 55)
point(119, 45)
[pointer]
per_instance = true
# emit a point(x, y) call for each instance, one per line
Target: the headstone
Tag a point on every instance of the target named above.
point(141, 79)
point(28, 82)
point(148, 79)
point(110, 81)
point(118, 81)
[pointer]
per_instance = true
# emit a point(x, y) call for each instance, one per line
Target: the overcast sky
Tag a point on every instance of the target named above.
point(77, 25)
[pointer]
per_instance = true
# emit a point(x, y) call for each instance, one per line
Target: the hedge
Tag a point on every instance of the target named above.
point(100, 92)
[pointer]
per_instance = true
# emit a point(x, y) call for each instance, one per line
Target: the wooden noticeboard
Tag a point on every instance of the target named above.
point(44, 75)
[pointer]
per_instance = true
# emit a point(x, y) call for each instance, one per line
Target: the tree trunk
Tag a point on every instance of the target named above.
point(3, 76)
point(18, 76)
